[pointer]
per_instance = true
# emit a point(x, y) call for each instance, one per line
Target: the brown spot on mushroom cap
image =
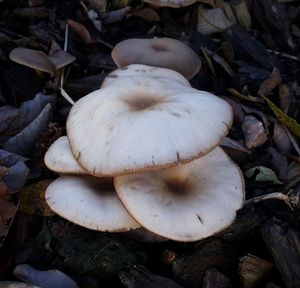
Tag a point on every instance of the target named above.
point(159, 52)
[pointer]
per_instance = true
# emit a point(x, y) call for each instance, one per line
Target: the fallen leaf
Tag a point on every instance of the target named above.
point(12, 119)
point(23, 142)
point(289, 122)
point(81, 31)
point(212, 20)
point(254, 132)
point(147, 14)
point(45, 279)
point(281, 139)
point(269, 84)
point(16, 170)
point(263, 174)
point(33, 199)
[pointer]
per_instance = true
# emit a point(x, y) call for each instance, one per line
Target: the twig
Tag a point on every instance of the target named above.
point(284, 55)
point(62, 91)
point(244, 97)
point(290, 200)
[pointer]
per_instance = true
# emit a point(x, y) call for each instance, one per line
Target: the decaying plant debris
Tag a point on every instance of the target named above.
point(249, 50)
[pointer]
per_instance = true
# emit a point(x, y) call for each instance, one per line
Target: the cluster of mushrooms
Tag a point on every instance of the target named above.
point(142, 151)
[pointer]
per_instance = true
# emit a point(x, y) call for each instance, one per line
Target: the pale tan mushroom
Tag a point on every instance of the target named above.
point(188, 202)
point(142, 123)
point(159, 52)
point(89, 202)
point(60, 159)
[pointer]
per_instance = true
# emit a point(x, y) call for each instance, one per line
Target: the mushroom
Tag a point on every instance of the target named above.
point(159, 52)
point(40, 61)
point(89, 202)
point(35, 59)
point(144, 70)
point(149, 125)
point(188, 202)
point(171, 3)
point(60, 159)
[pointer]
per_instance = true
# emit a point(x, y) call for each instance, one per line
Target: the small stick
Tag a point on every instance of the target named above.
point(291, 201)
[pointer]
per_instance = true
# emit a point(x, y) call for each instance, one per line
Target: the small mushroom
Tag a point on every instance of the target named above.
point(142, 123)
point(60, 159)
point(89, 202)
point(159, 52)
point(188, 202)
point(171, 3)
point(144, 70)
point(35, 59)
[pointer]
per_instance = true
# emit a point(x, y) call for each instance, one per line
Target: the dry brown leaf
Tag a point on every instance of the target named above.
point(281, 139)
point(33, 199)
point(284, 97)
point(147, 14)
point(254, 132)
point(80, 30)
point(269, 84)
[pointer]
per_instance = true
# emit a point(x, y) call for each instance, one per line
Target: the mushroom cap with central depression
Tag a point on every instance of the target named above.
point(145, 124)
point(188, 202)
point(159, 52)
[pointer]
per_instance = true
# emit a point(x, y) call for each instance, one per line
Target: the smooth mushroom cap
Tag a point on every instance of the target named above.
point(32, 58)
point(144, 70)
point(171, 3)
point(159, 52)
point(143, 123)
point(188, 202)
point(59, 158)
point(61, 59)
point(89, 202)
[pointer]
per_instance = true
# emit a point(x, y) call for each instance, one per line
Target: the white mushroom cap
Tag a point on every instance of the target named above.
point(89, 202)
point(188, 202)
point(145, 124)
point(59, 158)
point(144, 70)
point(159, 52)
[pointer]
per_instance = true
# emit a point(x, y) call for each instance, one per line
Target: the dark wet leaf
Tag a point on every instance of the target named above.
point(263, 174)
point(281, 139)
point(23, 142)
point(12, 120)
point(17, 171)
point(279, 163)
point(45, 279)
point(249, 49)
